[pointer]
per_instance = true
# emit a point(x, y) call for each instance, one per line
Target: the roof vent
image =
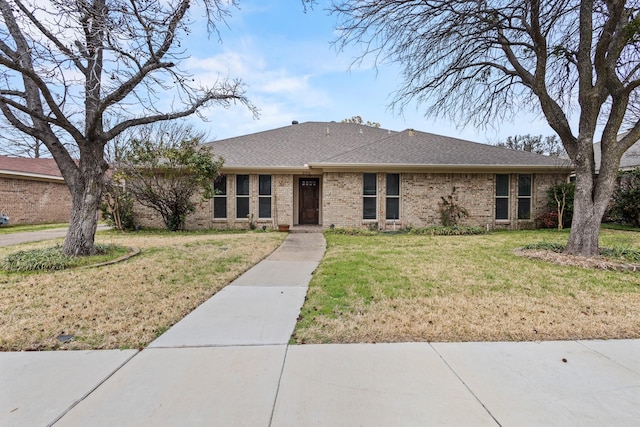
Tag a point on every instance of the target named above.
point(295, 122)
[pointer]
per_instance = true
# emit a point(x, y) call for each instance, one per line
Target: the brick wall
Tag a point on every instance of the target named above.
point(341, 201)
point(421, 197)
point(541, 183)
point(284, 200)
point(282, 207)
point(201, 218)
point(28, 201)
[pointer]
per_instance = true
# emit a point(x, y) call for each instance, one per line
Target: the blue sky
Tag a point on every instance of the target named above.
point(292, 72)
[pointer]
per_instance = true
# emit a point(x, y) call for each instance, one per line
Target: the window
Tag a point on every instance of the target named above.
point(220, 197)
point(369, 198)
point(393, 196)
point(524, 196)
point(264, 196)
point(242, 196)
point(502, 196)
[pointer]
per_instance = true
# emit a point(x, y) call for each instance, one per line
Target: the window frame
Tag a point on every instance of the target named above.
point(502, 197)
point(390, 197)
point(368, 197)
point(241, 197)
point(220, 190)
point(264, 197)
point(525, 197)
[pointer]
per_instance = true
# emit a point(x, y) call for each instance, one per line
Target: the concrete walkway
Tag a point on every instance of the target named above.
point(11, 239)
point(228, 364)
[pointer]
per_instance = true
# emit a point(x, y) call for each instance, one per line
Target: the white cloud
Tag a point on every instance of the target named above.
point(285, 84)
point(293, 73)
point(281, 91)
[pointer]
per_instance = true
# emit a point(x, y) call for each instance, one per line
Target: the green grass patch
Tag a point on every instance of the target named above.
point(351, 232)
point(20, 228)
point(455, 230)
point(622, 227)
point(615, 253)
point(52, 259)
point(621, 253)
point(158, 232)
point(547, 246)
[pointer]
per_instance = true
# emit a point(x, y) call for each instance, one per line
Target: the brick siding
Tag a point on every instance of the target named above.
point(342, 199)
point(420, 199)
point(28, 201)
point(341, 202)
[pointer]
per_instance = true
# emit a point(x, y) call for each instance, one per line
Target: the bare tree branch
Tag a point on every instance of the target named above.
point(481, 60)
point(84, 71)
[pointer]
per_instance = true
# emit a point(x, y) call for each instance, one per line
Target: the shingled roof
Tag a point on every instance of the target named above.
point(353, 146)
point(295, 145)
point(630, 159)
point(30, 168)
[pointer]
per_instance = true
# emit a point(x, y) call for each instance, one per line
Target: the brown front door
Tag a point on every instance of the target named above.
point(309, 201)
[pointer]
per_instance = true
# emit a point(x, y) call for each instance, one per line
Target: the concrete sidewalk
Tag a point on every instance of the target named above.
point(11, 239)
point(228, 364)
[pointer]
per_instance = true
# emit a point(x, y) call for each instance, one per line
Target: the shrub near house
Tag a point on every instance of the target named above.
point(626, 199)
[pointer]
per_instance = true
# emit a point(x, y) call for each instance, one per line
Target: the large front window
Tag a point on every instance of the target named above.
point(502, 196)
point(524, 196)
point(220, 197)
point(264, 196)
point(369, 196)
point(393, 196)
point(242, 196)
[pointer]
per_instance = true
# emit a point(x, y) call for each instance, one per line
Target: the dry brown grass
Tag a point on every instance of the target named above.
point(125, 305)
point(482, 318)
point(474, 288)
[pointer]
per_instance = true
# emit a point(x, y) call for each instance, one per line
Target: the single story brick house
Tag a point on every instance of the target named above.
point(32, 191)
point(351, 175)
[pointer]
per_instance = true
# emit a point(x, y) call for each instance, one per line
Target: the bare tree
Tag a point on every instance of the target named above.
point(21, 145)
point(550, 145)
point(358, 120)
point(481, 60)
point(82, 72)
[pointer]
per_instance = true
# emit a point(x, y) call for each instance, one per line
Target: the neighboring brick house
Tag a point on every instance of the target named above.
point(32, 191)
point(351, 175)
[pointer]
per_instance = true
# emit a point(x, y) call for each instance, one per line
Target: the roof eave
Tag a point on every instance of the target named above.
point(388, 167)
point(30, 176)
point(264, 169)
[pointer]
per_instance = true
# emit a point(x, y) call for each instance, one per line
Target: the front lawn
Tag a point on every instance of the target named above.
point(395, 288)
point(124, 305)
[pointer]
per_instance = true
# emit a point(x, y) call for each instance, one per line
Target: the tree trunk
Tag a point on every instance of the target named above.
point(585, 232)
point(592, 196)
point(86, 192)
